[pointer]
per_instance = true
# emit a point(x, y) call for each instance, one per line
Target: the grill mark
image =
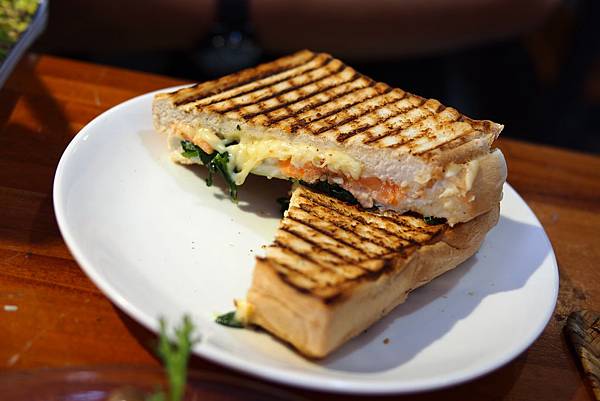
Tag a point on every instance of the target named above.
point(344, 107)
point(436, 236)
point(281, 245)
point(324, 63)
point(388, 262)
point(288, 267)
point(320, 248)
point(272, 95)
point(248, 116)
point(321, 103)
point(339, 240)
point(345, 136)
point(340, 226)
point(237, 84)
point(468, 136)
point(304, 282)
point(411, 229)
point(421, 134)
point(407, 141)
point(361, 114)
point(294, 114)
point(424, 132)
point(417, 229)
point(358, 217)
point(316, 262)
point(446, 142)
point(366, 222)
point(314, 286)
point(400, 129)
point(284, 277)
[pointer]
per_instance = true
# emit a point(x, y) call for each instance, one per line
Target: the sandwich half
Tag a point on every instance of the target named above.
point(334, 269)
point(310, 117)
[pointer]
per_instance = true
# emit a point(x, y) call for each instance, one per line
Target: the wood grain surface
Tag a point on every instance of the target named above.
point(52, 315)
point(583, 330)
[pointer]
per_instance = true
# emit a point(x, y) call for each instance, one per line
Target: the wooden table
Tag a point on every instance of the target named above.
point(51, 314)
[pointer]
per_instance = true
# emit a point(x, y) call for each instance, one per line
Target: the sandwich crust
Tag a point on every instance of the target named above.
point(335, 269)
point(314, 99)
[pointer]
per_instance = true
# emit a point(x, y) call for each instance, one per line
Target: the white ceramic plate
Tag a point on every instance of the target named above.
point(159, 242)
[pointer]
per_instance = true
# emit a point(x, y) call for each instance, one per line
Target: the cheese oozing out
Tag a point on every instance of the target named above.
point(244, 311)
point(248, 154)
point(425, 191)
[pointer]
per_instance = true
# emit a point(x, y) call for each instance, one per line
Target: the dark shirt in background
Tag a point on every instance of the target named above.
point(544, 87)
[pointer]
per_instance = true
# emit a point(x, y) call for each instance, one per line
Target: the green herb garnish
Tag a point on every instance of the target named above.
point(158, 396)
point(220, 163)
point(175, 358)
point(332, 190)
point(215, 162)
point(189, 154)
point(228, 319)
point(433, 221)
point(190, 150)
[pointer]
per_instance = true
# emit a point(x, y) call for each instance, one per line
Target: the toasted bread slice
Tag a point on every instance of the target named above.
point(309, 116)
point(335, 269)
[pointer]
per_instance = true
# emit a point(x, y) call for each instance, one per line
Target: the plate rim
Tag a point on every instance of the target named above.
point(271, 373)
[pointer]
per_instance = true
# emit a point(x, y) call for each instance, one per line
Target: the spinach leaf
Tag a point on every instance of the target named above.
point(433, 221)
point(189, 154)
point(228, 319)
point(190, 150)
point(332, 190)
point(219, 163)
point(189, 147)
point(215, 162)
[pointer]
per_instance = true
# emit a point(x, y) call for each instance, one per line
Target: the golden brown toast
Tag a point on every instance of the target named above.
point(317, 94)
point(309, 116)
point(334, 269)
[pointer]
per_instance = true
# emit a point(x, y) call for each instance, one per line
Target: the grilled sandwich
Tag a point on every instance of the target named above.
point(311, 117)
point(334, 268)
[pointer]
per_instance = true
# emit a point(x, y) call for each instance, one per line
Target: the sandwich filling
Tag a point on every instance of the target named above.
point(270, 157)
point(236, 153)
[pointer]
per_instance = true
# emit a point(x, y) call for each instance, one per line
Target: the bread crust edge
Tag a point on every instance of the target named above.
point(316, 328)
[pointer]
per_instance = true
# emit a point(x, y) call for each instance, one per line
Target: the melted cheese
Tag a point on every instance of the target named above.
point(472, 170)
point(250, 153)
point(207, 135)
point(259, 155)
point(243, 311)
point(466, 172)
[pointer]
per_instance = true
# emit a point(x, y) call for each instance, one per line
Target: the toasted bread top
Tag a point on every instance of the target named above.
point(316, 94)
point(324, 246)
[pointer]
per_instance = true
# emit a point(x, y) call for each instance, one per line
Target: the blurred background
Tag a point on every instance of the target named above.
point(533, 65)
